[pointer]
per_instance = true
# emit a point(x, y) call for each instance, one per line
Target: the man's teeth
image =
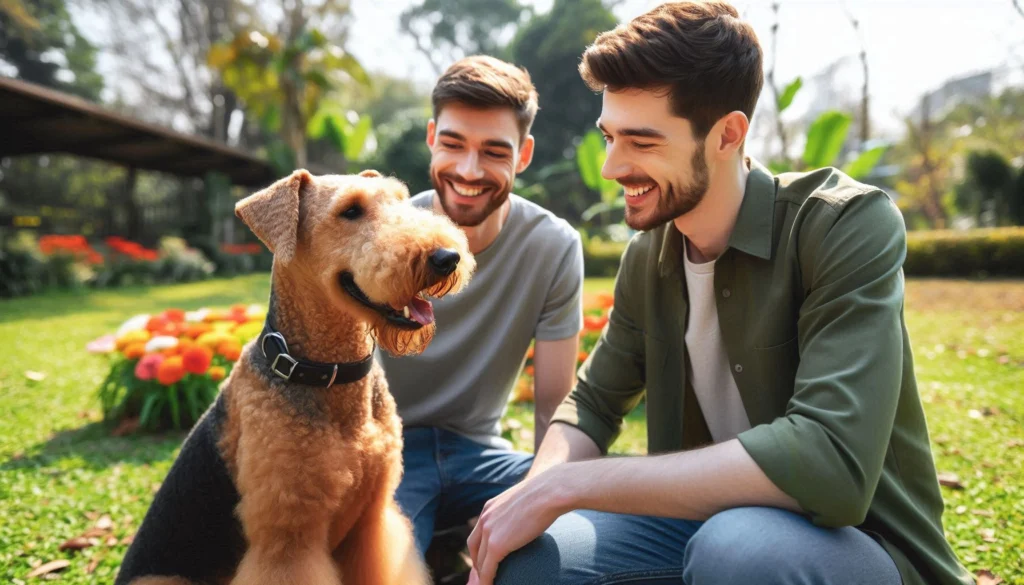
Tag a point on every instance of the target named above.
point(637, 191)
point(405, 311)
point(466, 191)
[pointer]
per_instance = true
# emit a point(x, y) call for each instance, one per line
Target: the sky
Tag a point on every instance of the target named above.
point(913, 46)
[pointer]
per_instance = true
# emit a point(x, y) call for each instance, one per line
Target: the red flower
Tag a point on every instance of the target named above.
point(196, 359)
point(170, 371)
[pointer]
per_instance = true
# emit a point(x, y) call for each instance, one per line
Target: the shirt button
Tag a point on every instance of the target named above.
point(726, 293)
point(738, 368)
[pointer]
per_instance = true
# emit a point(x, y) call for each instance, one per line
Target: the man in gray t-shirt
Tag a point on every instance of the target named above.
point(527, 288)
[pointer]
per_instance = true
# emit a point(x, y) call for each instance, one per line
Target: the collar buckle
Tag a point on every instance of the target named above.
point(294, 362)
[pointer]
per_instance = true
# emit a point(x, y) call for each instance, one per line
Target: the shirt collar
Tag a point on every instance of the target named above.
point(752, 233)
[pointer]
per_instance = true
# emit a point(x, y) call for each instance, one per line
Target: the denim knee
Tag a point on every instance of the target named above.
point(734, 546)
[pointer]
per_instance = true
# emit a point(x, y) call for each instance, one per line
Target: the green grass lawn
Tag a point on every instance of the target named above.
point(62, 474)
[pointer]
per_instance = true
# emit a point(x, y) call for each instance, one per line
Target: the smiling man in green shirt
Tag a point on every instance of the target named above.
point(763, 316)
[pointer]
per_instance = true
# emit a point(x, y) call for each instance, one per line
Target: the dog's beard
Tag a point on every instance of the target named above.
point(400, 342)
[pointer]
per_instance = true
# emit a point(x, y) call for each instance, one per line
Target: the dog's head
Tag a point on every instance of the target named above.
point(358, 240)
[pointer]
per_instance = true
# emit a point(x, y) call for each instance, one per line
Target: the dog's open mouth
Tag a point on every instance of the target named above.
point(416, 314)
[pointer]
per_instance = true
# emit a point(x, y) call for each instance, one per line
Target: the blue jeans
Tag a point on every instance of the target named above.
point(765, 546)
point(448, 479)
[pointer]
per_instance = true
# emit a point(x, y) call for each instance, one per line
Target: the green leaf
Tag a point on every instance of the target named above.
point(172, 399)
point(863, 164)
point(318, 78)
point(355, 138)
point(601, 207)
point(787, 95)
point(590, 155)
point(334, 130)
point(825, 139)
point(148, 406)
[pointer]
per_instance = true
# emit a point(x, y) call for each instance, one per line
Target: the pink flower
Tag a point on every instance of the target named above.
point(147, 366)
point(105, 344)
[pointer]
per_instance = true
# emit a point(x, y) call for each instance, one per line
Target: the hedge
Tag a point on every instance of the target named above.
point(960, 253)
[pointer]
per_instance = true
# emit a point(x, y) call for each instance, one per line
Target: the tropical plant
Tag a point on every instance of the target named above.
point(286, 83)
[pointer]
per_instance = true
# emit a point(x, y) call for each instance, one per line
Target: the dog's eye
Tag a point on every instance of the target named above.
point(353, 212)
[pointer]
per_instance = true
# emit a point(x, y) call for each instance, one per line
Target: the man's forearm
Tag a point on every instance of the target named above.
point(562, 443)
point(693, 485)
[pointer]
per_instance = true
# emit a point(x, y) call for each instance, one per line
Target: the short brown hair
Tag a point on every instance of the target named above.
point(701, 52)
point(482, 81)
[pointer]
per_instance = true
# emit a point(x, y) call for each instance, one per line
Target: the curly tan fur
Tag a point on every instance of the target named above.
point(316, 468)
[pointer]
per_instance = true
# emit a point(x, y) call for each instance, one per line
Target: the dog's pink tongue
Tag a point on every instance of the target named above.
point(421, 311)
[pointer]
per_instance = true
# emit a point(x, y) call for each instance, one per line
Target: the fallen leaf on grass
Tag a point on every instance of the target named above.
point(1014, 443)
point(961, 509)
point(76, 543)
point(128, 539)
point(95, 562)
point(125, 427)
point(49, 567)
point(104, 523)
point(950, 480)
point(988, 534)
point(986, 513)
point(973, 413)
point(985, 577)
point(35, 376)
point(112, 541)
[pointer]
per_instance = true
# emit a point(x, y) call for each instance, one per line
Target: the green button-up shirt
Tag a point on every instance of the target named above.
point(810, 306)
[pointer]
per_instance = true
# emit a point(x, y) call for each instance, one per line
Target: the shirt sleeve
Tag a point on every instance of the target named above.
point(610, 382)
point(562, 314)
point(827, 451)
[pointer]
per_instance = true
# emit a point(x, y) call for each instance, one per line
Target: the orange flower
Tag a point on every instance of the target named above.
point(528, 370)
point(171, 370)
point(196, 359)
point(217, 373)
point(157, 323)
point(175, 315)
point(529, 353)
point(605, 300)
point(196, 329)
point(581, 356)
point(135, 350)
point(230, 349)
point(594, 323)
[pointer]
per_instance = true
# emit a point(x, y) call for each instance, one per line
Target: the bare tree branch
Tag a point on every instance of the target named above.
point(779, 126)
point(865, 114)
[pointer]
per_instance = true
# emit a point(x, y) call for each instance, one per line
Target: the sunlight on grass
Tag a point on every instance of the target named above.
point(61, 472)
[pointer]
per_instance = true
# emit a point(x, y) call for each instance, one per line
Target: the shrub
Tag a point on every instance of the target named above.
point(165, 368)
point(966, 253)
point(953, 253)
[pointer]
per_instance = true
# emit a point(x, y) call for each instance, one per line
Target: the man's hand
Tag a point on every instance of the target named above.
point(515, 518)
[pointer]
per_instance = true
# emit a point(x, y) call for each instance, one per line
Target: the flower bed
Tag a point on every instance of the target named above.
point(165, 368)
point(595, 317)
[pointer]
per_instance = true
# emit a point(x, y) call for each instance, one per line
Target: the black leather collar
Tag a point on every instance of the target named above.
point(275, 350)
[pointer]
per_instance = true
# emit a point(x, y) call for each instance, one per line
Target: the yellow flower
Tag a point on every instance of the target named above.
point(130, 337)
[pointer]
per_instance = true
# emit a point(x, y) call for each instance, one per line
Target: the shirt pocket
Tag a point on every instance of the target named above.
point(776, 368)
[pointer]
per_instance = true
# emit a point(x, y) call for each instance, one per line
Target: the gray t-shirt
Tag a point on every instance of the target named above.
point(528, 285)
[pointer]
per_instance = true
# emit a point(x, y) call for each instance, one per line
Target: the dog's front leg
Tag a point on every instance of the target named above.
point(290, 488)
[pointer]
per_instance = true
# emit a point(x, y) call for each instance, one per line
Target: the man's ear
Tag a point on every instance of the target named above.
point(273, 213)
point(431, 126)
point(525, 154)
point(369, 173)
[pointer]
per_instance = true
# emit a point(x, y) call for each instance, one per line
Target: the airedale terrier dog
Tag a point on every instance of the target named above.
point(288, 478)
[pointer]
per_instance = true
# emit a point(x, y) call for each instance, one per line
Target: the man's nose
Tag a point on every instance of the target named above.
point(469, 167)
point(614, 166)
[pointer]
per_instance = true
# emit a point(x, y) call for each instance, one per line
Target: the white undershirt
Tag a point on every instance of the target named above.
point(710, 373)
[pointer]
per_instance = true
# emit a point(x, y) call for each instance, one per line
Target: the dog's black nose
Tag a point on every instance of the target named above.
point(443, 261)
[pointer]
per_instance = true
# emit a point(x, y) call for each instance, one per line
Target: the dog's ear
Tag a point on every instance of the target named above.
point(369, 173)
point(273, 213)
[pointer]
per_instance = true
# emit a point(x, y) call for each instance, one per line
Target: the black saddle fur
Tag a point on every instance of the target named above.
point(190, 529)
